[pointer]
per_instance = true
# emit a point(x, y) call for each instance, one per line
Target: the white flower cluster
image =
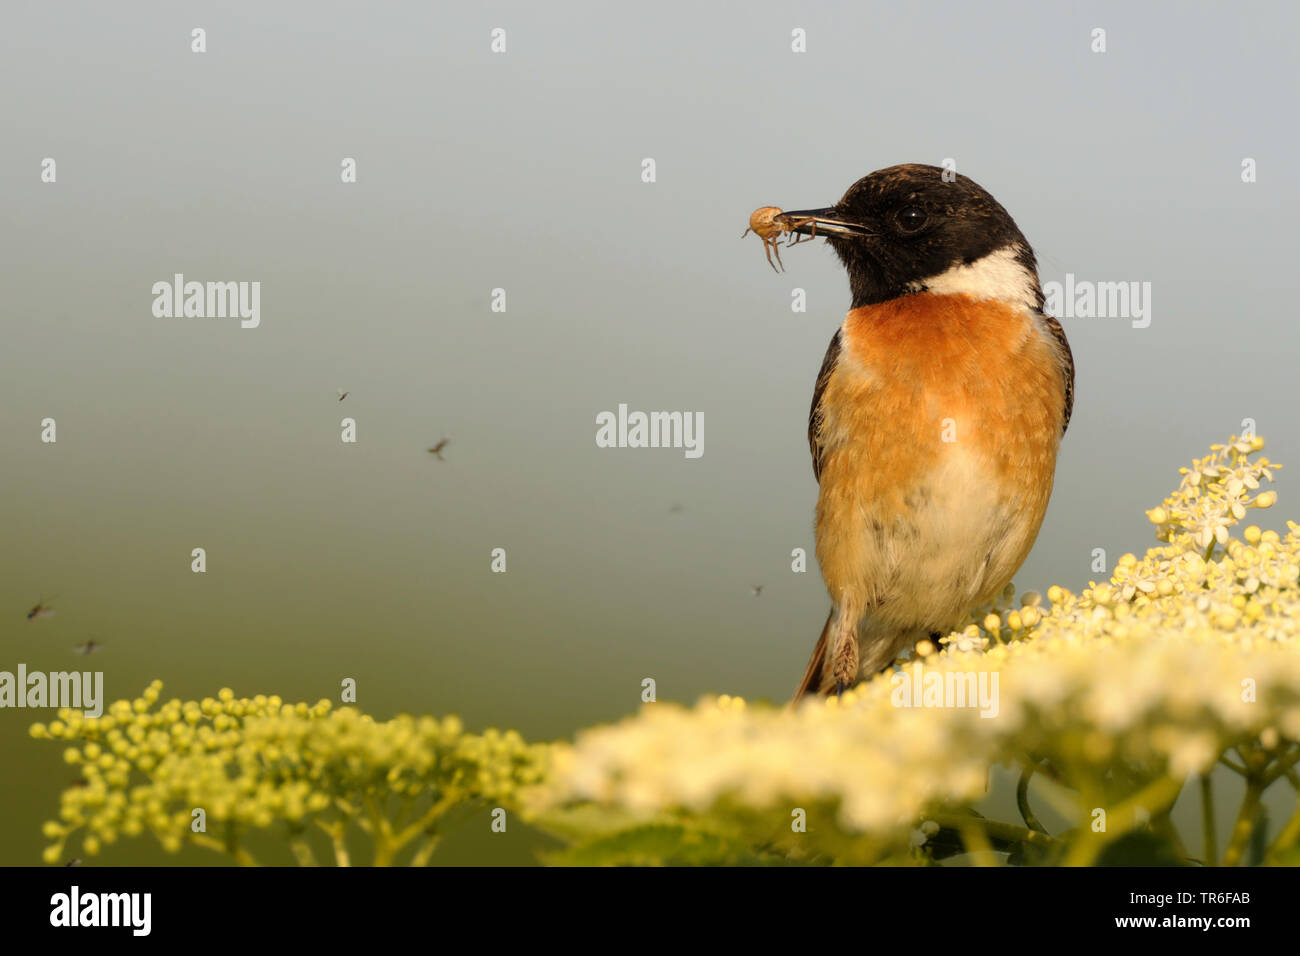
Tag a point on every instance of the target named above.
point(1182, 655)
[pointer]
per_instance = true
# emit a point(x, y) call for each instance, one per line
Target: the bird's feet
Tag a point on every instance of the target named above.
point(844, 667)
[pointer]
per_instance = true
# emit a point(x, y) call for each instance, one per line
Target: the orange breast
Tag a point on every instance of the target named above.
point(937, 403)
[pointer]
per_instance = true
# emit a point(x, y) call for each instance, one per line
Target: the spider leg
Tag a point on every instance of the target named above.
point(796, 238)
point(768, 246)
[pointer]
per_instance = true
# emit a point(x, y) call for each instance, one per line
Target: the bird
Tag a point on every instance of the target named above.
point(437, 449)
point(89, 647)
point(343, 394)
point(936, 417)
point(757, 589)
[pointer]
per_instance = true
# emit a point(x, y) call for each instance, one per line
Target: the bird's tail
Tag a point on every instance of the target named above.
point(812, 676)
point(879, 644)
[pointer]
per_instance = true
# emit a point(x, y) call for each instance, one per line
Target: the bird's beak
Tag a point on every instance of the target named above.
point(823, 222)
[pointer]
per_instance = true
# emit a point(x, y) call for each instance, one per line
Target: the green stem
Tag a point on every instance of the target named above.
point(1008, 832)
point(1044, 766)
point(1288, 837)
point(1022, 801)
point(1239, 771)
point(335, 831)
point(390, 842)
point(302, 852)
point(976, 841)
point(1241, 830)
point(242, 856)
point(1259, 838)
point(430, 817)
point(425, 851)
point(1209, 837)
point(1281, 768)
point(1154, 798)
point(382, 831)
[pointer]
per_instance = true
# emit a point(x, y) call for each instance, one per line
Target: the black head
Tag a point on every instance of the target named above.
point(912, 228)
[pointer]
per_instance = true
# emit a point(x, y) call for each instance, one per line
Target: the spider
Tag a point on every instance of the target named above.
point(769, 223)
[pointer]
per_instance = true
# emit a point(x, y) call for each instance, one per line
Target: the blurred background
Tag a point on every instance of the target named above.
point(522, 171)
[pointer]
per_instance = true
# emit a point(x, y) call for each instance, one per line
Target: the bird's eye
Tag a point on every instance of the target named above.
point(910, 220)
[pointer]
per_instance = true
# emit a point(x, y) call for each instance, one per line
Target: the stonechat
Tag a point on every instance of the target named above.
point(936, 417)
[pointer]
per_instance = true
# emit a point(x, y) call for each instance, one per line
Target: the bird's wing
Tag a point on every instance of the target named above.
point(815, 415)
point(1066, 357)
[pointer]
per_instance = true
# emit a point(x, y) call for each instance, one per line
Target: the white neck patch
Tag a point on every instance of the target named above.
point(999, 275)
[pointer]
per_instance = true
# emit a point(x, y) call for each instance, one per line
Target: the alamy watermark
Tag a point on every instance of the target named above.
point(975, 689)
point(79, 690)
point(651, 430)
point(208, 300)
point(1085, 299)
